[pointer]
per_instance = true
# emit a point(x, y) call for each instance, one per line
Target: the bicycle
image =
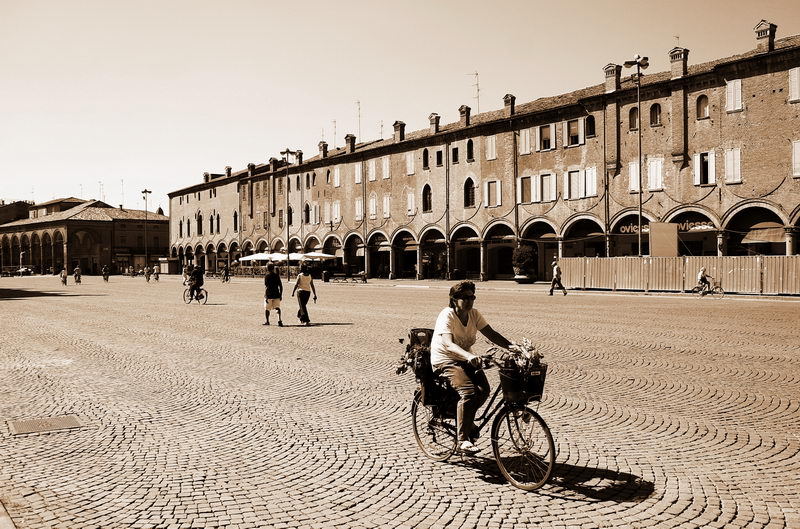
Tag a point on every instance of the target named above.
point(225, 279)
point(201, 297)
point(522, 444)
point(714, 289)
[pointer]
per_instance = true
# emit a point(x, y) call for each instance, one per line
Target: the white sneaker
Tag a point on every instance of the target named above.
point(468, 447)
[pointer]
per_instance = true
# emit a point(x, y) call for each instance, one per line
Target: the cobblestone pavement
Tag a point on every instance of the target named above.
point(667, 411)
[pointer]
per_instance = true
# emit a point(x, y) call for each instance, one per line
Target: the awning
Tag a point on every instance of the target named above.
point(765, 232)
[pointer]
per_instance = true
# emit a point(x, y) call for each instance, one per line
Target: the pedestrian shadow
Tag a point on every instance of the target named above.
point(16, 293)
point(594, 484)
point(330, 323)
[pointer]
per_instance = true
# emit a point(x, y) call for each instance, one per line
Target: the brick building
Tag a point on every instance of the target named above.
point(70, 231)
point(720, 158)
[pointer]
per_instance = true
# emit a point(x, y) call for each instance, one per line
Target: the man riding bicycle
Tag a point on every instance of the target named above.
point(195, 282)
point(453, 335)
point(703, 281)
point(226, 273)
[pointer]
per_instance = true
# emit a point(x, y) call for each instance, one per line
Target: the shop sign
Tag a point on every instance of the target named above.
point(634, 228)
point(702, 225)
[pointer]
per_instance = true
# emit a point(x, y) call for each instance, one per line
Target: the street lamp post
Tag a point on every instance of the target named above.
point(641, 63)
point(145, 192)
point(286, 153)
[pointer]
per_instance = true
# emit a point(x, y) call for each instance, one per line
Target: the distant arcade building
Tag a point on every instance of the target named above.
point(69, 232)
point(720, 158)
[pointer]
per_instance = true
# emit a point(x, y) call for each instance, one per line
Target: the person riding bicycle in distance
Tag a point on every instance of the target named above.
point(702, 280)
point(453, 337)
point(195, 281)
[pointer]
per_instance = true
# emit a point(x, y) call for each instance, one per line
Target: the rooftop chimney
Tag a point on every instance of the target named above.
point(206, 177)
point(678, 57)
point(765, 36)
point(228, 171)
point(273, 164)
point(463, 110)
point(298, 155)
point(399, 131)
point(434, 119)
point(613, 72)
point(509, 101)
point(251, 167)
point(350, 141)
point(323, 149)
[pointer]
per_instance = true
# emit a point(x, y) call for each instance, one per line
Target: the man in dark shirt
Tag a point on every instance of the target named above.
point(195, 281)
point(273, 292)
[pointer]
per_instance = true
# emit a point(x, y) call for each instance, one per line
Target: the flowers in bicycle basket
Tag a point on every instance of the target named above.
point(522, 355)
point(413, 357)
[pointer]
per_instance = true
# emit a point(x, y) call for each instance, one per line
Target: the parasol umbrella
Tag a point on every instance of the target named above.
point(255, 257)
point(314, 256)
point(278, 256)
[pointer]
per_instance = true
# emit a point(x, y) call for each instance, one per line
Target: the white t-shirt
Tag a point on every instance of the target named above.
point(304, 282)
point(463, 335)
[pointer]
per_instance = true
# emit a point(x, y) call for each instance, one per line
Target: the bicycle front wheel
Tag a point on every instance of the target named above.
point(717, 293)
point(523, 447)
point(186, 298)
point(435, 435)
point(204, 300)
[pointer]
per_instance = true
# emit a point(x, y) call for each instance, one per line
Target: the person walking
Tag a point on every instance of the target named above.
point(105, 273)
point(556, 282)
point(305, 284)
point(273, 292)
point(63, 275)
point(147, 273)
point(77, 274)
point(155, 273)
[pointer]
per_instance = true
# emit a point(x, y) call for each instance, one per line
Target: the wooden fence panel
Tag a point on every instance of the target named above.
point(791, 275)
point(599, 273)
point(630, 273)
point(664, 273)
point(780, 274)
point(572, 272)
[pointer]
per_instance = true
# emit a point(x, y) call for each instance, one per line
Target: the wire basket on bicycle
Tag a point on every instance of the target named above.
point(522, 373)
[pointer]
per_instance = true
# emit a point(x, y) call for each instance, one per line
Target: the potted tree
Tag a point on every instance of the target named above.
point(522, 260)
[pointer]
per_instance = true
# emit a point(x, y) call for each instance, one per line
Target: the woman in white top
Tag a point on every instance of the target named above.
point(305, 284)
point(453, 336)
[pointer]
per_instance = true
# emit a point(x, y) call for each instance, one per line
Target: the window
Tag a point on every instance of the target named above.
point(633, 176)
point(199, 224)
point(469, 193)
point(410, 207)
point(525, 141)
point(590, 128)
point(316, 213)
point(289, 215)
point(655, 115)
point(439, 158)
point(704, 172)
point(336, 180)
point(491, 147)
point(373, 206)
point(589, 180)
point(655, 173)
point(313, 179)
point(371, 170)
point(702, 107)
point(258, 189)
point(794, 85)
point(188, 228)
point(243, 192)
point(796, 159)
point(280, 218)
point(328, 216)
point(235, 221)
point(524, 190)
point(180, 228)
point(337, 211)
point(455, 155)
point(573, 135)
point(328, 176)
point(218, 222)
point(425, 159)
point(470, 151)
point(572, 185)
point(359, 209)
point(492, 194)
point(280, 186)
point(547, 188)
point(409, 163)
point(544, 137)
point(427, 199)
point(210, 194)
point(387, 204)
point(357, 171)
point(385, 165)
point(264, 220)
point(297, 182)
point(307, 214)
point(733, 166)
point(633, 119)
point(733, 95)
point(180, 200)
point(211, 224)
point(308, 181)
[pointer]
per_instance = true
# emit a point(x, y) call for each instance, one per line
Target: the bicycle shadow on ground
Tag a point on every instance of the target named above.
point(485, 466)
point(16, 293)
point(599, 484)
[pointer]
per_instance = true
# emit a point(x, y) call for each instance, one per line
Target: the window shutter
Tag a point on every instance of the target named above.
point(525, 141)
point(712, 177)
point(536, 186)
point(796, 158)
point(582, 183)
point(729, 176)
point(519, 190)
point(794, 84)
point(737, 89)
point(336, 181)
point(567, 190)
point(564, 134)
point(696, 178)
point(591, 181)
point(581, 131)
point(357, 172)
point(737, 163)
point(486, 194)
point(633, 171)
point(729, 96)
point(538, 139)
point(385, 162)
point(553, 136)
point(499, 193)
point(553, 187)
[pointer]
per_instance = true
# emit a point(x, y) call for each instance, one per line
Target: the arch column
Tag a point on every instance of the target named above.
point(391, 263)
point(419, 261)
point(722, 243)
point(366, 259)
point(484, 261)
point(450, 259)
point(66, 256)
point(790, 235)
point(560, 247)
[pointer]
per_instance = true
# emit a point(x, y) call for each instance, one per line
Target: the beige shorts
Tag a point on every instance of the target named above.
point(272, 304)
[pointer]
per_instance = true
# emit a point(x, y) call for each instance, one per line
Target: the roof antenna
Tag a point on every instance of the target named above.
point(677, 40)
point(334, 134)
point(477, 86)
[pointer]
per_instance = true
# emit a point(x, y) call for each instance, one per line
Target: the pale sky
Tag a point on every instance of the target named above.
point(154, 93)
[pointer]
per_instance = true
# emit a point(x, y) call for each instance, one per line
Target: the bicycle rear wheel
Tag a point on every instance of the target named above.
point(523, 447)
point(436, 436)
point(717, 292)
point(186, 298)
point(696, 291)
point(204, 292)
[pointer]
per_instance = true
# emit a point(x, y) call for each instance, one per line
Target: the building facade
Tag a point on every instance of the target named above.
point(720, 159)
point(70, 232)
